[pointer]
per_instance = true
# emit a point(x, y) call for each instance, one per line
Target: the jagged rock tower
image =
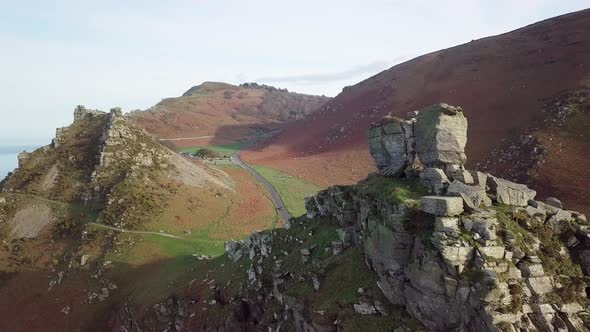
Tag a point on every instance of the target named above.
point(435, 138)
point(513, 253)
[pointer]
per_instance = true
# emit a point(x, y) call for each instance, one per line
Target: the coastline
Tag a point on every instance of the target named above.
point(9, 157)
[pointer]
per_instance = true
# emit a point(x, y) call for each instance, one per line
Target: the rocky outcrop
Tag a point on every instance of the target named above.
point(490, 269)
point(510, 193)
point(441, 136)
point(458, 250)
point(123, 150)
point(465, 271)
point(81, 112)
point(435, 139)
point(391, 143)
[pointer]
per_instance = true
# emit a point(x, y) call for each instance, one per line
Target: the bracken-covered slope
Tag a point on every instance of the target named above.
point(85, 219)
point(217, 113)
point(508, 85)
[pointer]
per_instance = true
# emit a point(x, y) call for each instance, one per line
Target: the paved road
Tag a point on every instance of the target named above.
point(276, 198)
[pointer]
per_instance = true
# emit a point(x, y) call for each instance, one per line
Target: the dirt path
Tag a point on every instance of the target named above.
point(276, 198)
point(122, 230)
point(40, 198)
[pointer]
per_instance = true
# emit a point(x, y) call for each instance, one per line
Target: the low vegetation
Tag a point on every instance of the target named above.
point(292, 189)
point(224, 150)
point(205, 153)
point(399, 191)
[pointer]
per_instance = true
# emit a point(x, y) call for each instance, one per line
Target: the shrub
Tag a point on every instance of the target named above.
point(206, 153)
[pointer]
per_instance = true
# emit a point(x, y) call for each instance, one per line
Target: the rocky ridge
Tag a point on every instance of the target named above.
point(486, 257)
point(426, 245)
point(471, 232)
point(217, 113)
point(65, 212)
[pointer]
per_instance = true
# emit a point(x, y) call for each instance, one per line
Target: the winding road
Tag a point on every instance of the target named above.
point(276, 198)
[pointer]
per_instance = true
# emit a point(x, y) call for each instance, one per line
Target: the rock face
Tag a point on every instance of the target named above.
point(441, 136)
point(435, 139)
point(391, 143)
point(510, 193)
point(465, 271)
point(515, 289)
point(442, 206)
point(460, 260)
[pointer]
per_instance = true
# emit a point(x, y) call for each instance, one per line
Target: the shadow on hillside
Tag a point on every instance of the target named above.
point(138, 288)
point(254, 136)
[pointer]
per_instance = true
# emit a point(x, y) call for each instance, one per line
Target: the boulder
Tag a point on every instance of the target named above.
point(555, 221)
point(554, 202)
point(442, 206)
point(485, 228)
point(479, 179)
point(447, 225)
point(116, 111)
point(473, 196)
point(545, 208)
point(434, 179)
point(531, 269)
point(510, 193)
point(457, 256)
point(391, 143)
point(365, 309)
point(463, 176)
point(532, 211)
point(233, 249)
point(539, 285)
point(441, 136)
point(496, 252)
point(84, 259)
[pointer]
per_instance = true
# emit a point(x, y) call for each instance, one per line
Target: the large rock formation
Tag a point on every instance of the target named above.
point(480, 254)
point(391, 143)
point(435, 139)
point(504, 253)
point(441, 136)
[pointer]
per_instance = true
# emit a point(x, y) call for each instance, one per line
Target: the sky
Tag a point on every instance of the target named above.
point(57, 54)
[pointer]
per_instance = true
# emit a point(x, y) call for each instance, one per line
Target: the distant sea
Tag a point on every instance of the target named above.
point(8, 157)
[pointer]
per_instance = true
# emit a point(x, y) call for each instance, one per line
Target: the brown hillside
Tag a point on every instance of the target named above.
point(503, 84)
point(216, 113)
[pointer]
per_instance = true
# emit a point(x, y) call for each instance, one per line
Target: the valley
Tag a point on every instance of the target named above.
point(252, 208)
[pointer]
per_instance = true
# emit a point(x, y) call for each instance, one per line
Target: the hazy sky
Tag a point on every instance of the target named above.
point(61, 53)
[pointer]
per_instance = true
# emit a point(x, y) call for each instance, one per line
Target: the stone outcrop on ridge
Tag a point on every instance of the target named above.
point(488, 262)
point(391, 143)
point(435, 138)
point(451, 249)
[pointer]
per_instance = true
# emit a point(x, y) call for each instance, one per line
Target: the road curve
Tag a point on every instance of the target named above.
point(276, 198)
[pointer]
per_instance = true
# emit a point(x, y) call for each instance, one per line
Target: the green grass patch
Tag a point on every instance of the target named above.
point(197, 244)
point(344, 275)
point(291, 188)
point(401, 191)
point(507, 223)
point(222, 150)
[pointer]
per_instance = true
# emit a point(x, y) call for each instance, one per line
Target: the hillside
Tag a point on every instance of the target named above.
point(426, 245)
point(85, 219)
point(510, 86)
point(217, 113)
